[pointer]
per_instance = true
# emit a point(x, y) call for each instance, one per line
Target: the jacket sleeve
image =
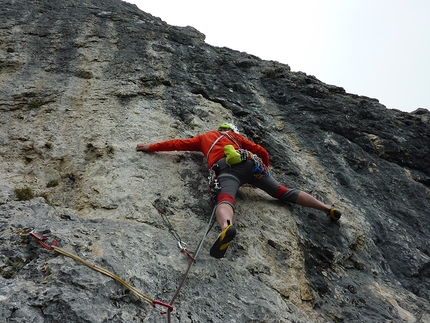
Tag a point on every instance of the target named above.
point(191, 144)
point(256, 149)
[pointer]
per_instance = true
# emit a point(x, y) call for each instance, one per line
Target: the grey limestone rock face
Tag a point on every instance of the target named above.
point(82, 82)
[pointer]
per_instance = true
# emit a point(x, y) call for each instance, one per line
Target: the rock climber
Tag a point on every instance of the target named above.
point(236, 161)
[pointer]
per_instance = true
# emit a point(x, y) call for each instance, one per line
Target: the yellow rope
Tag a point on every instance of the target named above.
point(107, 273)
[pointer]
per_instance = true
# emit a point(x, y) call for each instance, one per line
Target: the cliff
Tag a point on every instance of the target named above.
point(82, 82)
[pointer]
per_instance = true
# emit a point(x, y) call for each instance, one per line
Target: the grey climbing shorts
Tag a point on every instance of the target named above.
point(231, 177)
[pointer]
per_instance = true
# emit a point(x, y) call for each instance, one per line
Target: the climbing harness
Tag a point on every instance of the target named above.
point(260, 169)
point(42, 239)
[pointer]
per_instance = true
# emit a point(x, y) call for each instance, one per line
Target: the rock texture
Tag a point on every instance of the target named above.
point(82, 82)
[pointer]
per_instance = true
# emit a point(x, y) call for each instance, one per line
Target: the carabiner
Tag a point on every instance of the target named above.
point(183, 246)
point(42, 240)
point(168, 306)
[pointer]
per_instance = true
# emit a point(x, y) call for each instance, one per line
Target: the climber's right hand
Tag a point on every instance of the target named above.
point(142, 147)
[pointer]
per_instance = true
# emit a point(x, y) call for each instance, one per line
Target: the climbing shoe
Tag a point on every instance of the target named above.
point(220, 246)
point(334, 214)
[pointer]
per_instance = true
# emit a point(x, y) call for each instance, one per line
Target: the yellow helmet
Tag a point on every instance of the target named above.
point(228, 126)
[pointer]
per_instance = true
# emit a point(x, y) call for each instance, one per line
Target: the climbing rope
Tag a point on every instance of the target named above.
point(214, 189)
point(101, 270)
point(191, 262)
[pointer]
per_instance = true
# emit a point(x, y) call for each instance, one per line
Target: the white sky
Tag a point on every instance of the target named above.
point(376, 48)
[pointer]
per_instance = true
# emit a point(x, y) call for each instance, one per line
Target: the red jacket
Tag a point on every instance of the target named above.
point(205, 141)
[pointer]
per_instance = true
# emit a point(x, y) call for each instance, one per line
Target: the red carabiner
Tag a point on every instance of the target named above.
point(182, 246)
point(188, 254)
point(42, 240)
point(168, 306)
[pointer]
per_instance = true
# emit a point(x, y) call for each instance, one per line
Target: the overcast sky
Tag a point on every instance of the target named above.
point(376, 48)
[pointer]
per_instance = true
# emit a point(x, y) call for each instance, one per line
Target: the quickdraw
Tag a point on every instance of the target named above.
point(167, 307)
point(182, 245)
point(101, 270)
point(213, 184)
point(214, 188)
point(42, 240)
point(190, 264)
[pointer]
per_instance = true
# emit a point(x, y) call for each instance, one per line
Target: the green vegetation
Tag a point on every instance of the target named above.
point(45, 196)
point(13, 266)
point(26, 193)
point(52, 183)
point(155, 82)
point(151, 83)
point(23, 194)
point(35, 104)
